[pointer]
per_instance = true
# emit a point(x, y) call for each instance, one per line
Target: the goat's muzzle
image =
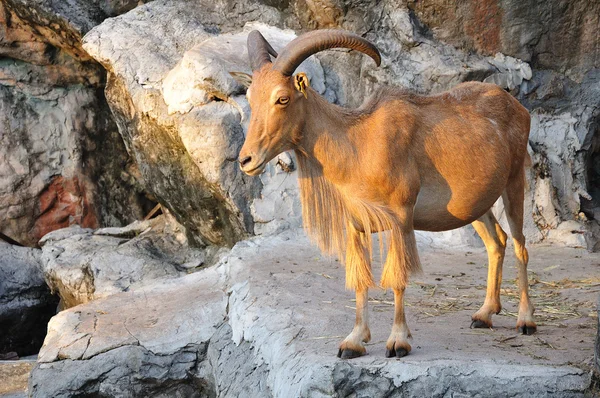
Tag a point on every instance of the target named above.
point(245, 161)
point(251, 166)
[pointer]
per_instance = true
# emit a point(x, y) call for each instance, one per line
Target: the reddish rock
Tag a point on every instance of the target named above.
point(484, 25)
point(54, 121)
point(554, 34)
point(63, 203)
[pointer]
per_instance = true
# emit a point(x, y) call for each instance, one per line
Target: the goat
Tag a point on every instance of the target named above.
point(399, 163)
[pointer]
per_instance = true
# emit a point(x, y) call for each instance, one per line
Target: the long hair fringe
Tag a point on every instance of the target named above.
point(329, 214)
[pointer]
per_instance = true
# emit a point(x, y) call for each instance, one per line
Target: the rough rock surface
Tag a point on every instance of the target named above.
point(212, 206)
point(565, 137)
point(82, 265)
point(145, 342)
point(597, 355)
point(26, 304)
point(554, 35)
point(274, 311)
point(62, 161)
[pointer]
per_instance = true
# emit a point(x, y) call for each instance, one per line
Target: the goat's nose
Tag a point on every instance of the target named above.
point(244, 161)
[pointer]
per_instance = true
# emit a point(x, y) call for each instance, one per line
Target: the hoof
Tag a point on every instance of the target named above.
point(479, 324)
point(527, 330)
point(349, 354)
point(398, 353)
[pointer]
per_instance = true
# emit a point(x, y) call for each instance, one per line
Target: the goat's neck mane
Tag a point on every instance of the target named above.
point(324, 211)
point(328, 213)
point(325, 214)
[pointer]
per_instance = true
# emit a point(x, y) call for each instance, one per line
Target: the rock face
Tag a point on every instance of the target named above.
point(267, 320)
point(187, 157)
point(564, 138)
point(182, 117)
point(26, 303)
point(62, 161)
point(82, 265)
point(556, 35)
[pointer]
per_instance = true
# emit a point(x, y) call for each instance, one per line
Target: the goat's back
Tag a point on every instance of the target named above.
point(464, 144)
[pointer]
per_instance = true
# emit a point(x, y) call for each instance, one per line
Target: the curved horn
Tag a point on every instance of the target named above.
point(259, 50)
point(310, 43)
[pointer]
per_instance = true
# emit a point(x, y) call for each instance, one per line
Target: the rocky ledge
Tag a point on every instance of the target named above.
point(267, 319)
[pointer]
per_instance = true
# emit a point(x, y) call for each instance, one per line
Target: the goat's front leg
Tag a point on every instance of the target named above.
point(402, 260)
point(358, 277)
point(352, 346)
point(397, 344)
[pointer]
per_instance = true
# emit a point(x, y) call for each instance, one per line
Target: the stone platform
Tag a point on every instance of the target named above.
point(267, 321)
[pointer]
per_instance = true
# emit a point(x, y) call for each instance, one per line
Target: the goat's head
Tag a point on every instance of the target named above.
point(278, 99)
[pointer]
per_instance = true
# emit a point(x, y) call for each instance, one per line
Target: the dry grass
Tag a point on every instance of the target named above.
point(552, 307)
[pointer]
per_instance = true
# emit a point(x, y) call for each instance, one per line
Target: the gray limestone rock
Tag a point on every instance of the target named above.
point(82, 265)
point(266, 321)
point(147, 342)
point(26, 303)
point(553, 35)
point(564, 138)
point(184, 140)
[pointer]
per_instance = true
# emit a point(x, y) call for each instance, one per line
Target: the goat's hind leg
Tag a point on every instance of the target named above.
point(494, 239)
point(360, 278)
point(513, 202)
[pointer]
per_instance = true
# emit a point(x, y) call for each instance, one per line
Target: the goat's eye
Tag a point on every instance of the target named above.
point(283, 100)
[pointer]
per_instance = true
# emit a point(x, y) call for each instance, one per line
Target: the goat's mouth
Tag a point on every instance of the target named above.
point(254, 170)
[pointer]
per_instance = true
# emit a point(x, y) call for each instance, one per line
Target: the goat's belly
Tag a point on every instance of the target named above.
point(441, 220)
point(442, 210)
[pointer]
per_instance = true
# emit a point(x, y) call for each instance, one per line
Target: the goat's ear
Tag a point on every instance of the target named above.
point(301, 83)
point(242, 78)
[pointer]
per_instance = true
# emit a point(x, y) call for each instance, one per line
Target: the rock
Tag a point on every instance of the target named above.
point(564, 139)
point(26, 303)
point(570, 233)
point(187, 140)
point(202, 76)
point(82, 265)
point(511, 72)
point(147, 342)
point(58, 24)
point(597, 354)
point(62, 161)
point(554, 35)
point(14, 376)
point(272, 314)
